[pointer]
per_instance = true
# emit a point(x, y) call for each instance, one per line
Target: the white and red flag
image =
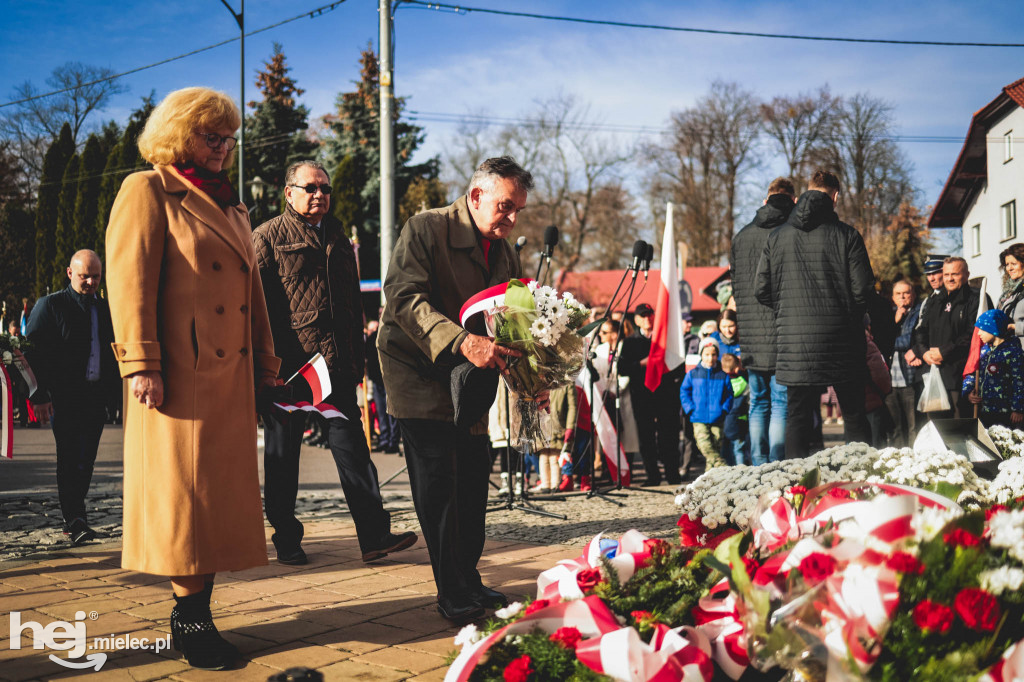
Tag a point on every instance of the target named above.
point(974, 355)
point(325, 409)
point(488, 299)
point(668, 349)
point(316, 375)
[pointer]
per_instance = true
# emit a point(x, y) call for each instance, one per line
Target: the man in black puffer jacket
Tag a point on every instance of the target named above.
point(757, 326)
point(816, 276)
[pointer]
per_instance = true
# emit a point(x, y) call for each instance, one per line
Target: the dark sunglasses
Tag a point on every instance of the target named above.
point(213, 140)
point(311, 188)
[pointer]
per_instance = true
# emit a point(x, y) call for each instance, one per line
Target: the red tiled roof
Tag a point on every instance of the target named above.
point(596, 287)
point(971, 168)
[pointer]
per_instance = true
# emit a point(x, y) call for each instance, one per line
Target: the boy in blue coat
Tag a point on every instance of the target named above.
point(999, 390)
point(706, 396)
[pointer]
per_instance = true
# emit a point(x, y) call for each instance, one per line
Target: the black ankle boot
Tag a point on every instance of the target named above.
point(195, 636)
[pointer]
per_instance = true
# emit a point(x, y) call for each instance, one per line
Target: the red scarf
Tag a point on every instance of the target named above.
point(215, 185)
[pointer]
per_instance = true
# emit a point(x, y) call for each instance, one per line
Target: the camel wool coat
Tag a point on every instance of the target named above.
point(186, 300)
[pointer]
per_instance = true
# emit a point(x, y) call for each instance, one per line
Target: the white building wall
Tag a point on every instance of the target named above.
point(1005, 184)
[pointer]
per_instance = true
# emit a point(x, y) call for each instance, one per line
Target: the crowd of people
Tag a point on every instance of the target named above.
point(205, 319)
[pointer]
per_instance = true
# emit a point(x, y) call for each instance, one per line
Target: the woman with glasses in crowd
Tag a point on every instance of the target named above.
point(193, 338)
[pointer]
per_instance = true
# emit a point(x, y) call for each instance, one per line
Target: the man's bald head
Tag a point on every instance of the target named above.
point(85, 272)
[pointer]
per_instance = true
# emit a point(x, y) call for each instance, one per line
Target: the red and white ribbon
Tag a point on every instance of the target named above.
point(318, 377)
point(674, 655)
point(589, 615)
point(626, 557)
point(6, 414)
point(488, 299)
point(717, 617)
point(861, 600)
point(325, 409)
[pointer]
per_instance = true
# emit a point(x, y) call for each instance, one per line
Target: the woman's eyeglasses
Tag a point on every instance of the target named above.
point(213, 140)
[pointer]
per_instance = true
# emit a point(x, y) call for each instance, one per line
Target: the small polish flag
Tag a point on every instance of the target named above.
point(6, 415)
point(316, 375)
point(974, 354)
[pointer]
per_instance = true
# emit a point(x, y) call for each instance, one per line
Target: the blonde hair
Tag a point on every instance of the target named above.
point(168, 136)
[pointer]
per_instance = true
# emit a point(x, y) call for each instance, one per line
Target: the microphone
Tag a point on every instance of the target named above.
point(520, 243)
point(550, 241)
point(648, 257)
point(639, 251)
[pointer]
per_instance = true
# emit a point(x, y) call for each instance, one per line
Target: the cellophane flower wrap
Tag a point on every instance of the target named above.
point(541, 324)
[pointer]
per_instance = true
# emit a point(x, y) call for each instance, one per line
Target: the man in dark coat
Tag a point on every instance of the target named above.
point(757, 326)
point(943, 337)
point(70, 335)
point(308, 270)
point(816, 276)
point(902, 402)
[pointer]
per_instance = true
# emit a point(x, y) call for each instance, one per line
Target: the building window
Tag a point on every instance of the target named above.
point(976, 240)
point(1007, 146)
point(1008, 221)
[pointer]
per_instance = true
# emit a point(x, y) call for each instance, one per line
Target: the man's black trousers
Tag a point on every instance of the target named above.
point(282, 443)
point(78, 419)
point(448, 471)
point(804, 400)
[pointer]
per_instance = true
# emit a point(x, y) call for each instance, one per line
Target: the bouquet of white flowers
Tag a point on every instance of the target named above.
point(541, 324)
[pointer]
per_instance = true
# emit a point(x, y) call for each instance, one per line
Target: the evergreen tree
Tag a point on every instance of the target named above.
point(90, 179)
point(17, 251)
point(348, 179)
point(122, 159)
point(54, 162)
point(900, 252)
point(64, 239)
point(355, 133)
point(275, 134)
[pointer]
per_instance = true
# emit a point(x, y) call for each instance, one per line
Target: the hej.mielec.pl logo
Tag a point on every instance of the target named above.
point(71, 637)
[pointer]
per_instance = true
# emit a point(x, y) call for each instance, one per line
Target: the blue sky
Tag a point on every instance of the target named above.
point(456, 63)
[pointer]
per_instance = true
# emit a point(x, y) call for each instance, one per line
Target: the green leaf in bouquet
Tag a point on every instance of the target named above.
point(810, 479)
point(947, 490)
point(587, 328)
point(518, 295)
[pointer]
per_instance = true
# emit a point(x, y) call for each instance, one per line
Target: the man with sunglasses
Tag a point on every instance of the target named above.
point(311, 284)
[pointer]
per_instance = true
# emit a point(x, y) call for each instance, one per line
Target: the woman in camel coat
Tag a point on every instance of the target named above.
point(192, 334)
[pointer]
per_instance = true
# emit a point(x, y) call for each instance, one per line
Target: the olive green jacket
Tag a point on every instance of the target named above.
point(436, 266)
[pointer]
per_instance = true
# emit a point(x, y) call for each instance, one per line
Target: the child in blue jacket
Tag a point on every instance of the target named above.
point(706, 395)
point(999, 392)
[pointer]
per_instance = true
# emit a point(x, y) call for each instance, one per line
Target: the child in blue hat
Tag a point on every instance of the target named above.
point(999, 391)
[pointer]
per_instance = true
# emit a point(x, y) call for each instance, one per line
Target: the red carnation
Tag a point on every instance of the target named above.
point(798, 490)
point(536, 605)
point(902, 562)
point(961, 538)
point(841, 493)
point(641, 615)
point(567, 637)
point(932, 616)
point(518, 670)
point(717, 540)
point(993, 510)
point(589, 578)
point(656, 547)
point(816, 567)
point(978, 609)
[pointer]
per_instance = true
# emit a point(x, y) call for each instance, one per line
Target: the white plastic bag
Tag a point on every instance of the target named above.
point(934, 397)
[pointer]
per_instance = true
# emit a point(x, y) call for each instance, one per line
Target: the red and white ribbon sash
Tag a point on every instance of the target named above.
point(326, 409)
point(317, 376)
point(26, 372)
point(627, 556)
point(717, 617)
point(489, 298)
point(674, 655)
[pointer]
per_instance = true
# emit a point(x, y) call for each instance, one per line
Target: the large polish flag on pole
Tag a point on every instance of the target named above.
point(667, 348)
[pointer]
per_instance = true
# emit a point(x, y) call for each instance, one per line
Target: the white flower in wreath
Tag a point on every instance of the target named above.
point(467, 635)
point(509, 611)
point(1002, 579)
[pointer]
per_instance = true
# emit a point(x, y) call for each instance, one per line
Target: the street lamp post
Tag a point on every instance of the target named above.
point(240, 20)
point(257, 187)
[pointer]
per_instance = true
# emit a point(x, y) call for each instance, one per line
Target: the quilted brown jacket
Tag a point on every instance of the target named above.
point(312, 292)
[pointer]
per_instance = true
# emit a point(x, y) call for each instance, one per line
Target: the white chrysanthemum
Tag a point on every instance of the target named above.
point(1009, 482)
point(467, 635)
point(509, 611)
point(930, 520)
point(1002, 579)
point(1006, 530)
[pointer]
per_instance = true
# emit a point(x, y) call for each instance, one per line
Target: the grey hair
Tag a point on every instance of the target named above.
point(293, 170)
point(501, 167)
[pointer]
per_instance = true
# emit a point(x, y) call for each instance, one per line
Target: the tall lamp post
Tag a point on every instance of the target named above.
point(257, 187)
point(240, 20)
